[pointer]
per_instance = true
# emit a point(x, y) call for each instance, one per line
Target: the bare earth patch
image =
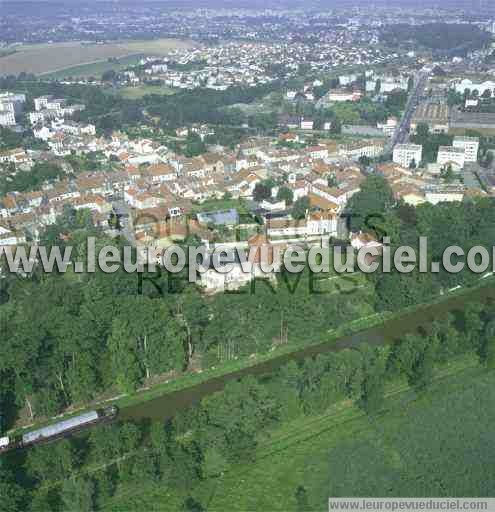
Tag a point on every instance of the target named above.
point(47, 58)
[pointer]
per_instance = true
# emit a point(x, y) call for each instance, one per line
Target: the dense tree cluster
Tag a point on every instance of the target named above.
point(206, 106)
point(33, 179)
point(456, 39)
point(466, 225)
point(203, 441)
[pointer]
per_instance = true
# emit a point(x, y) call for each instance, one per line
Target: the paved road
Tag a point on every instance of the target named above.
point(402, 132)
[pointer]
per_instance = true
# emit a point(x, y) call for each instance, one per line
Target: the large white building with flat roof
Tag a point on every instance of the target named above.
point(405, 154)
point(470, 145)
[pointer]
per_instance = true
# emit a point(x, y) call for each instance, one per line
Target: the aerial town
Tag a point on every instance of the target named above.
point(244, 127)
point(319, 159)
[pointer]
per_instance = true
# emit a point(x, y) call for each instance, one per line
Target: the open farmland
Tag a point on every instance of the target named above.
point(95, 69)
point(50, 58)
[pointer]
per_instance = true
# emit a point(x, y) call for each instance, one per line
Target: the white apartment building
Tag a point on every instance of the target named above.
point(55, 104)
point(470, 146)
point(451, 155)
point(41, 102)
point(11, 101)
point(405, 154)
point(36, 117)
point(7, 118)
point(7, 105)
point(356, 150)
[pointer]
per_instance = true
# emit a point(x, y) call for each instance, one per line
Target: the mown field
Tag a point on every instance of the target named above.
point(96, 69)
point(134, 93)
point(49, 58)
point(437, 444)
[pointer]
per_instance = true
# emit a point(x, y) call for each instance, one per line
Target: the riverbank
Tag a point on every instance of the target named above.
point(375, 329)
point(164, 399)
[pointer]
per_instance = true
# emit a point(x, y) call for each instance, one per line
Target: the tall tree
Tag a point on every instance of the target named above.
point(77, 495)
point(11, 494)
point(373, 200)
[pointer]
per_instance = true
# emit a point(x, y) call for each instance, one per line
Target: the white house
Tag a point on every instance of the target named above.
point(141, 200)
point(306, 124)
point(15, 156)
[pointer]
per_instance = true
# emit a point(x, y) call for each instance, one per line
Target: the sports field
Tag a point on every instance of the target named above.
point(49, 58)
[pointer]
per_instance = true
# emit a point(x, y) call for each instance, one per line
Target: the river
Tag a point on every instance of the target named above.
point(167, 405)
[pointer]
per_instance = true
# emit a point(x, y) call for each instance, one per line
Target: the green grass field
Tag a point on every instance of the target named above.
point(95, 69)
point(437, 444)
point(134, 93)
